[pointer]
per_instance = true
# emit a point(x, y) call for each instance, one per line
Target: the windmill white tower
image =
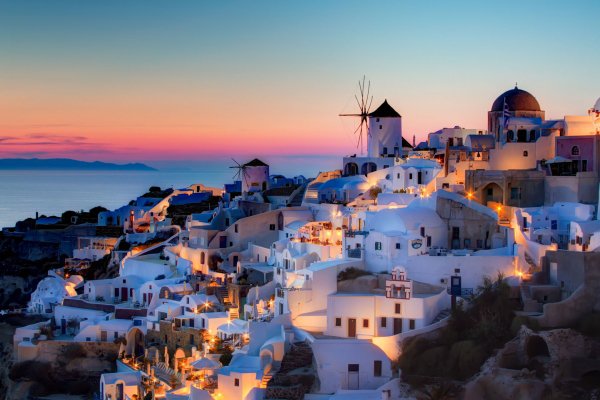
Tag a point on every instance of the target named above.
point(254, 175)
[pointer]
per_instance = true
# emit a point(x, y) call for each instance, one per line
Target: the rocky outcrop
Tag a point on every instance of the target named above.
point(536, 365)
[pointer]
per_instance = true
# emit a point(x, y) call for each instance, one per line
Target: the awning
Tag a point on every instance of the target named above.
point(205, 363)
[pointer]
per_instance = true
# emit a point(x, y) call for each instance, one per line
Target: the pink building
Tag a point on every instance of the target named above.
point(583, 151)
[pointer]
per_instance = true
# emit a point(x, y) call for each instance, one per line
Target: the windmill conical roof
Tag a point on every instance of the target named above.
point(385, 111)
point(255, 163)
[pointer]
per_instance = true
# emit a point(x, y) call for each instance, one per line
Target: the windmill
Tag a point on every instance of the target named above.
point(241, 172)
point(364, 106)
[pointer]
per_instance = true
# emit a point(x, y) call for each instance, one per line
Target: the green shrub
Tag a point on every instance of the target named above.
point(351, 273)
point(74, 350)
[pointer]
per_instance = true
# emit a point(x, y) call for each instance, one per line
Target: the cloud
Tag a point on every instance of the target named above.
point(47, 139)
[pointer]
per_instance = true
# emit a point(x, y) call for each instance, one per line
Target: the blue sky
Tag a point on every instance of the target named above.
point(271, 76)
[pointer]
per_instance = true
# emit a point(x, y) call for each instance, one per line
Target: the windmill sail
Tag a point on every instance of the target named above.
point(364, 103)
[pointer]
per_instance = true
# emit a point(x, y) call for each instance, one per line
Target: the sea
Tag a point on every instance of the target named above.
point(51, 192)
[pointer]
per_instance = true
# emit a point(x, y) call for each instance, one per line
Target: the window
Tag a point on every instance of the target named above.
point(377, 368)
point(575, 150)
point(422, 231)
point(525, 153)
point(383, 322)
point(532, 135)
point(272, 227)
point(490, 191)
point(338, 322)
point(397, 308)
point(352, 367)
point(236, 228)
point(397, 246)
point(515, 193)
point(377, 245)
point(380, 126)
point(116, 335)
point(384, 151)
point(554, 224)
point(227, 221)
point(409, 176)
point(365, 323)
point(397, 176)
point(236, 382)
point(411, 324)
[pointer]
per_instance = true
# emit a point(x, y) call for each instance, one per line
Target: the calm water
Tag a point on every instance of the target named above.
point(22, 193)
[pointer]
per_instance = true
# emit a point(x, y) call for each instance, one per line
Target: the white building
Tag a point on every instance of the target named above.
point(121, 386)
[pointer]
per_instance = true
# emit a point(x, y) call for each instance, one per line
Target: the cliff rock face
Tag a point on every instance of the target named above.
point(535, 365)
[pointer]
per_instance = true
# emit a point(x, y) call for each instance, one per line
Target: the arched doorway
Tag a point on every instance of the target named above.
point(368, 167)
point(351, 169)
point(135, 342)
point(492, 192)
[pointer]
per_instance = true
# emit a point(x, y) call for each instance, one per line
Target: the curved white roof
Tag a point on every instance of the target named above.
point(420, 163)
point(345, 182)
point(597, 105)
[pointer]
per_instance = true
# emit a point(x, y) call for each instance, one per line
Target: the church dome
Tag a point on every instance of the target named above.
point(597, 105)
point(517, 100)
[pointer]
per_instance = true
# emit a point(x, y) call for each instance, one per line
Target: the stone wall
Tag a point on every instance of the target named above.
point(175, 338)
point(585, 266)
point(53, 351)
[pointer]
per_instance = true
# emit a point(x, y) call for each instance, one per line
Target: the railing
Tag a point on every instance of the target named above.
point(352, 234)
point(354, 253)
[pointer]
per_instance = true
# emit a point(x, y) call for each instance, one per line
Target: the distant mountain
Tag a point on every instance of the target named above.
point(68, 164)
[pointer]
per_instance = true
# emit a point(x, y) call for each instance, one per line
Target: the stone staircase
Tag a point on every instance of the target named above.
point(443, 314)
point(266, 379)
point(295, 376)
point(296, 197)
point(164, 372)
point(223, 295)
point(234, 313)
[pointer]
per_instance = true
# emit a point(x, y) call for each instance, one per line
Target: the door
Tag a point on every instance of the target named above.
point(397, 326)
point(103, 336)
point(119, 391)
point(124, 294)
point(353, 383)
point(455, 237)
point(419, 178)
point(351, 327)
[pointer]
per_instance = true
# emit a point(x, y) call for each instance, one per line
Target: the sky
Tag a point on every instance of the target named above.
point(181, 80)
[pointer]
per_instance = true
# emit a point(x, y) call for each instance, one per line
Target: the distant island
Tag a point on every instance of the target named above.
point(67, 164)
